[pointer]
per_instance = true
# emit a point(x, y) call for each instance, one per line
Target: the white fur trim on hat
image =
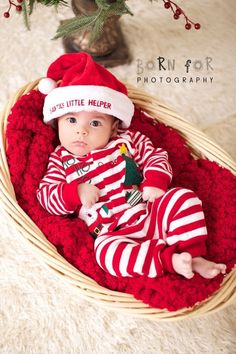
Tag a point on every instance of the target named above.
point(46, 85)
point(66, 99)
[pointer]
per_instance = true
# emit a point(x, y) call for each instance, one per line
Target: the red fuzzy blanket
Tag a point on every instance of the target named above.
point(29, 144)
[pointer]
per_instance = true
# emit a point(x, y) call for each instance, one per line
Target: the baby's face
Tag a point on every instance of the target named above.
point(82, 132)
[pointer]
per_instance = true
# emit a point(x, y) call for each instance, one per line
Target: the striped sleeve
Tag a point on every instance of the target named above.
point(54, 194)
point(156, 169)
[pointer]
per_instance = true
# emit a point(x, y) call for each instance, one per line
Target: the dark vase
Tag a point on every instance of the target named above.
point(110, 49)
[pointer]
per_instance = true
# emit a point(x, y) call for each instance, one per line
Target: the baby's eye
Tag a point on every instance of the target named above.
point(71, 119)
point(95, 123)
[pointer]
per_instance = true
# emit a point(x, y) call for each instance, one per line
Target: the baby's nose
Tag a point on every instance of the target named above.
point(82, 131)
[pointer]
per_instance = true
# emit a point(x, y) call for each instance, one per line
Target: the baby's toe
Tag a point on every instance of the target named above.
point(222, 268)
point(189, 275)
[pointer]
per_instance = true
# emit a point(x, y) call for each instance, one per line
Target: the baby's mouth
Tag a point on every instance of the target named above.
point(79, 143)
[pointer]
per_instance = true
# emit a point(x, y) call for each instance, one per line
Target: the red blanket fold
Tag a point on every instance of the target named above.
point(30, 143)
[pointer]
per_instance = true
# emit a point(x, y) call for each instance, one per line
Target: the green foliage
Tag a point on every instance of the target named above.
point(25, 15)
point(28, 7)
point(51, 2)
point(93, 21)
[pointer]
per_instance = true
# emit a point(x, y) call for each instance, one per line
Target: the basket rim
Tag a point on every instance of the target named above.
point(200, 145)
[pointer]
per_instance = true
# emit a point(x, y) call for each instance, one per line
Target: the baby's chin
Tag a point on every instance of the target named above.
point(80, 152)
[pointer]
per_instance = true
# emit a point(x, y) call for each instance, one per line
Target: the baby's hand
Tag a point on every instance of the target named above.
point(88, 194)
point(152, 193)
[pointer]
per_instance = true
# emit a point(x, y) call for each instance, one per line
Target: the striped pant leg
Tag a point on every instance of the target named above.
point(175, 223)
point(127, 252)
point(181, 224)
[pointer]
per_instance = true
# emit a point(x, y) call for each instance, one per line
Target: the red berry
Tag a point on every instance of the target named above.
point(178, 12)
point(19, 8)
point(197, 26)
point(176, 17)
point(167, 5)
point(188, 26)
point(6, 14)
point(20, 1)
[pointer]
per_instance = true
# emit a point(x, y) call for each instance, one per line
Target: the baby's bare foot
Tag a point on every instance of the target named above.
point(182, 264)
point(207, 269)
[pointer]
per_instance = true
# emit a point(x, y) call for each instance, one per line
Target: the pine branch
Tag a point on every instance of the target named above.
point(28, 7)
point(97, 27)
point(76, 24)
point(26, 15)
point(31, 6)
point(94, 21)
point(55, 3)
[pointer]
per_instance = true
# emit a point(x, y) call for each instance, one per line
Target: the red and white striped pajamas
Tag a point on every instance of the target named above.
point(132, 237)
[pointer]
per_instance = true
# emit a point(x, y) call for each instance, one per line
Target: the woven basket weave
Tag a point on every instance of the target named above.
point(200, 146)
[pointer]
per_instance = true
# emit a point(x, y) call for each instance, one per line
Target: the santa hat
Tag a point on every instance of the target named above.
point(76, 83)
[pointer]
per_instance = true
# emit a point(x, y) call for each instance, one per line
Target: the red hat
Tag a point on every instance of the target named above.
point(83, 85)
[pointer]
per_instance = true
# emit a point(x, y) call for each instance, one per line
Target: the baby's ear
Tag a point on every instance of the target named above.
point(115, 127)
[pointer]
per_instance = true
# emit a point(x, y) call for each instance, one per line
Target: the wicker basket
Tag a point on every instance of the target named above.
point(199, 144)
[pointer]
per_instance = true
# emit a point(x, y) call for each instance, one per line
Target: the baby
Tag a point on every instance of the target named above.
point(115, 180)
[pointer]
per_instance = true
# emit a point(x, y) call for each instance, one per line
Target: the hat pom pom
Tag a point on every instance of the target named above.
point(46, 85)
